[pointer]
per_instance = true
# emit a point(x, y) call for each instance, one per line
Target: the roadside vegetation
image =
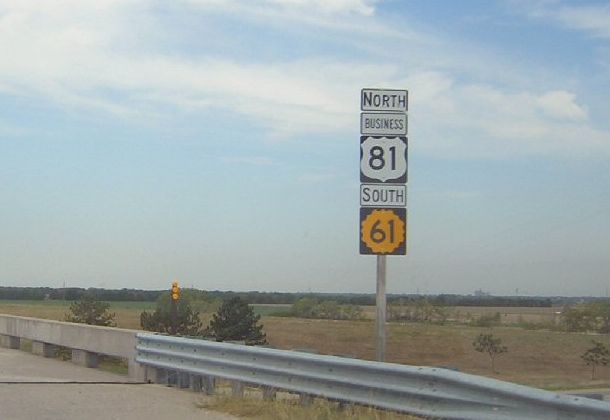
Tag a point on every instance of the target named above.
point(543, 350)
point(492, 346)
point(187, 320)
point(313, 308)
point(90, 311)
point(592, 316)
point(235, 321)
point(598, 355)
point(287, 407)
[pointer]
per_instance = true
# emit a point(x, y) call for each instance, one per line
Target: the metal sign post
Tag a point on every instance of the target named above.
point(383, 189)
point(381, 308)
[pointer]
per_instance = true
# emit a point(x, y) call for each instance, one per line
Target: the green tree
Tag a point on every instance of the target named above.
point(305, 308)
point(90, 311)
point(487, 343)
point(328, 309)
point(419, 310)
point(351, 312)
point(596, 355)
point(600, 310)
point(578, 318)
point(441, 313)
point(187, 319)
point(235, 320)
point(423, 310)
point(487, 320)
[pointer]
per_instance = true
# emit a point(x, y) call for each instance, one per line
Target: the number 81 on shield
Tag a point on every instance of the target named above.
point(383, 159)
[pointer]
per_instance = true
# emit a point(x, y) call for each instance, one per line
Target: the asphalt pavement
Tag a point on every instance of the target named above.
point(36, 388)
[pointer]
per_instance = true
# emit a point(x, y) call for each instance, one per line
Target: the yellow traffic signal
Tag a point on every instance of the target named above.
point(175, 291)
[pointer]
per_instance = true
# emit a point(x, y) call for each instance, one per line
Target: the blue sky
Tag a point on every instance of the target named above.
point(217, 142)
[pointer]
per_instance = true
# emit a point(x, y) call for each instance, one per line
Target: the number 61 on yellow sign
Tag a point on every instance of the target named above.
point(383, 231)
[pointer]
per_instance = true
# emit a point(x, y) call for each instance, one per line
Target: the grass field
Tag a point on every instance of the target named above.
point(543, 358)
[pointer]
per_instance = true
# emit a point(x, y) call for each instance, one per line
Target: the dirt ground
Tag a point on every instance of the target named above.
point(541, 358)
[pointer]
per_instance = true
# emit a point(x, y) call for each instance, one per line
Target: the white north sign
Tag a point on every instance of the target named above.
point(381, 195)
point(384, 100)
point(383, 124)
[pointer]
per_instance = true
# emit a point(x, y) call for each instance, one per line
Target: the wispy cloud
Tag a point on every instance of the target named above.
point(353, 16)
point(90, 55)
point(482, 121)
point(561, 104)
point(593, 19)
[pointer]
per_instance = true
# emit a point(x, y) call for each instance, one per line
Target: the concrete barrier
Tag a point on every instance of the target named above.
point(86, 341)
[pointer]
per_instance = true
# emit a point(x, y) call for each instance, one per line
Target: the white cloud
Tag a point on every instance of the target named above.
point(71, 53)
point(560, 104)
point(90, 55)
point(361, 7)
point(481, 121)
point(592, 19)
point(354, 17)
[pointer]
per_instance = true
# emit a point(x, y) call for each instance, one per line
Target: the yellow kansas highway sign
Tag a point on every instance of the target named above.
point(383, 231)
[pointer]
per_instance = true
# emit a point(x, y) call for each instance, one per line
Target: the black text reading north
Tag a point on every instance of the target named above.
point(370, 121)
point(384, 100)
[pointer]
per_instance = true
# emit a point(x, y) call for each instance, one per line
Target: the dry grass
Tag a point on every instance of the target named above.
point(127, 313)
point(34, 309)
point(508, 314)
point(541, 358)
point(287, 407)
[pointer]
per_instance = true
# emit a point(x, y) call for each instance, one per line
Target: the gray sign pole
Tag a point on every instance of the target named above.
point(381, 308)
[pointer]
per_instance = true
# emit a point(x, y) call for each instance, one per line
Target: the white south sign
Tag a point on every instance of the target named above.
point(383, 195)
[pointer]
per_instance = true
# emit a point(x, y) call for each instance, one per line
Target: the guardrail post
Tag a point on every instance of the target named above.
point(172, 378)
point(195, 383)
point(85, 358)
point(237, 389)
point(305, 400)
point(342, 405)
point(268, 393)
point(208, 384)
point(44, 349)
point(159, 376)
point(184, 380)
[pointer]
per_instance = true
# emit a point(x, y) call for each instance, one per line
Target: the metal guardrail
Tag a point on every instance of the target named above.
point(425, 391)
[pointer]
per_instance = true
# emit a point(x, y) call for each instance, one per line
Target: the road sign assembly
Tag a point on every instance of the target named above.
point(383, 187)
point(383, 171)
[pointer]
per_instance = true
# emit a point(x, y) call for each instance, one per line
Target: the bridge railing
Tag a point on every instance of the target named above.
point(86, 341)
